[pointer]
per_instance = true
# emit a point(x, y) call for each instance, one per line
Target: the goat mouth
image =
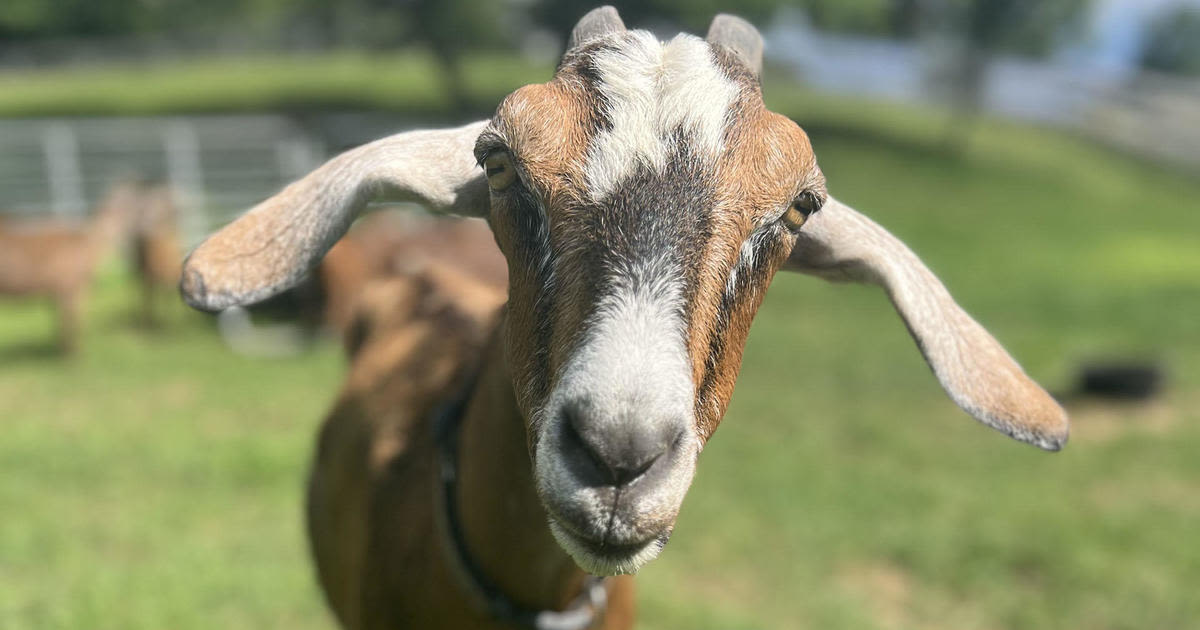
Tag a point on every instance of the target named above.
point(603, 557)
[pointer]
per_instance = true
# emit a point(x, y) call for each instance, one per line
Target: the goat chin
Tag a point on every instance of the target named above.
point(626, 562)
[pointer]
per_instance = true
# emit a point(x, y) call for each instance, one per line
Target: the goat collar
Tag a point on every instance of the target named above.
point(582, 612)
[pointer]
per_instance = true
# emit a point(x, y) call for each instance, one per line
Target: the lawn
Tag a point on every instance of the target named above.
point(155, 481)
point(405, 81)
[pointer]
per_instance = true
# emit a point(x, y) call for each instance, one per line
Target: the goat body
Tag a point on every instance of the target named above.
point(387, 244)
point(157, 253)
point(373, 504)
point(57, 259)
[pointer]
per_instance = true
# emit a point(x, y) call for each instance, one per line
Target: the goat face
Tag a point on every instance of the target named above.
point(644, 199)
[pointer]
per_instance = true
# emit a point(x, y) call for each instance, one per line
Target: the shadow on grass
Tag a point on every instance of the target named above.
point(31, 351)
point(931, 149)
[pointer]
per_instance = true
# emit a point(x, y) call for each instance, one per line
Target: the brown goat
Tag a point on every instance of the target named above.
point(644, 199)
point(57, 259)
point(157, 253)
point(387, 244)
point(373, 501)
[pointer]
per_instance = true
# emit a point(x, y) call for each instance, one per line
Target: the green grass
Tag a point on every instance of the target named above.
point(155, 481)
point(405, 81)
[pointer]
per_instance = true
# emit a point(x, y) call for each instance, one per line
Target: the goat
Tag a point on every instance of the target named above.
point(390, 243)
point(644, 198)
point(57, 259)
point(156, 253)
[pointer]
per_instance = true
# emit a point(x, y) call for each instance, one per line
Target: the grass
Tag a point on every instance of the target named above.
point(155, 481)
point(400, 81)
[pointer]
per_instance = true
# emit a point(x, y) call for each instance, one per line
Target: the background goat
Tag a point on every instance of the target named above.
point(387, 244)
point(57, 259)
point(644, 198)
point(156, 251)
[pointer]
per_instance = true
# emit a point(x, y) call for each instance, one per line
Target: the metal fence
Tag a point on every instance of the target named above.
point(217, 165)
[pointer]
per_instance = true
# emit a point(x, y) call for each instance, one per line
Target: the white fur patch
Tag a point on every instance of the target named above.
point(636, 345)
point(633, 363)
point(654, 88)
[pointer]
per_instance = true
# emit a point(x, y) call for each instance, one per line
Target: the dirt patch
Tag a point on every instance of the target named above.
point(885, 589)
point(1171, 494)
point(896, 600)
point(1098, 421)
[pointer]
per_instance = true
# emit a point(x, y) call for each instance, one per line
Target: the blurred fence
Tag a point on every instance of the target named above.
point(217, 165)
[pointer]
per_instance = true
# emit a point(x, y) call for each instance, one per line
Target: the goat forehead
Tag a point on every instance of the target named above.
point(655, 95)
point(622, 106)
point(630, 104)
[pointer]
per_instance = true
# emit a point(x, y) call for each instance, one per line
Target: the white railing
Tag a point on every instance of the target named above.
point(217, 165)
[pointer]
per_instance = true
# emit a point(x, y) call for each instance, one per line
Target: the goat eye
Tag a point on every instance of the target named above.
point(802, 208)
point(500, 171)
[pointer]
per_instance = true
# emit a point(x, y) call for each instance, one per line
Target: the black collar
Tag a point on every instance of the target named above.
point(583, 610)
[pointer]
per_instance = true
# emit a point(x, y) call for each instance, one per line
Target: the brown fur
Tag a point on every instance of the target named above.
point(766, 163)
point(57, 260)
point(372, 509)
point(157, 252)
point(387, 244)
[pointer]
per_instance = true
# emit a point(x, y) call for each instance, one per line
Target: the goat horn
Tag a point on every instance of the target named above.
point(598, 22)
point(740, 37)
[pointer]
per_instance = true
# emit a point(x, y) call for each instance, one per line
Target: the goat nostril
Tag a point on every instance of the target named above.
point(623, 475)
point(608, 458)
point(594, 464)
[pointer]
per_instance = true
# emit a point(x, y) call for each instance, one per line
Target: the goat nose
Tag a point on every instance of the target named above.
point(615, 453)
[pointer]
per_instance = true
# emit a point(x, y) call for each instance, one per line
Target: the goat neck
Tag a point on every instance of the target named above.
point(503, 521)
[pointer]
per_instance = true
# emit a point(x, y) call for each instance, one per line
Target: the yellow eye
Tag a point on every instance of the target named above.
point(500, 171)
point(793, 218)
point(802, 208)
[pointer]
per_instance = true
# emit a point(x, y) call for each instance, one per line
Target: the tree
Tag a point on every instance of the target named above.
point(866, 16)
point(448, 28)
point(37, 19)
point(1173, 42)
point(986, 28)
point(30, 19)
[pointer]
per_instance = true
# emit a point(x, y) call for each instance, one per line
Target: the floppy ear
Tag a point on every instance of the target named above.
point(271, 247)
point(840, 244)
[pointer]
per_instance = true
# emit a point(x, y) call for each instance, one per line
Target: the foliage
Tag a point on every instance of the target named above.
point(32, 19)
point(1028, 27)
point(559, 16)
point(1173, 42)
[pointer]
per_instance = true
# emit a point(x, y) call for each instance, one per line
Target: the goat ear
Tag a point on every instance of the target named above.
point(740, 37)
point(596, 23)
point(272, 246)
point(837, 243)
